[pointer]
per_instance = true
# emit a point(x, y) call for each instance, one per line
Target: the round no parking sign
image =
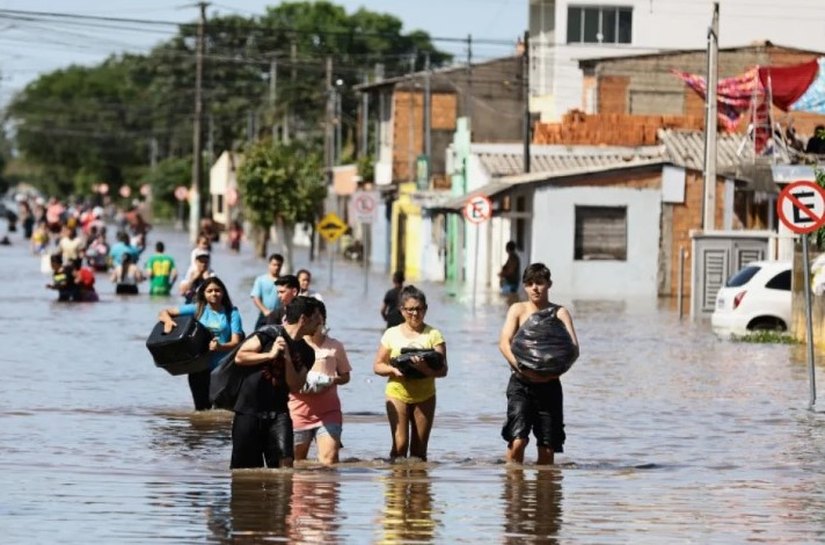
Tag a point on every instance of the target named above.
point(801, 206)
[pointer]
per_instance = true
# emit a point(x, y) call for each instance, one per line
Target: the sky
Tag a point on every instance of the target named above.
point(30, 48)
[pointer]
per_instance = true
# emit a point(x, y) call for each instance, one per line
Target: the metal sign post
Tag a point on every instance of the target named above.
point(363, 209)
point(801, 207)
point(477, 210)
point(809, 323)
point(331, 227)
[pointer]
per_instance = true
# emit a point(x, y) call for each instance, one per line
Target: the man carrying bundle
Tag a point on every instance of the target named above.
point(539, 343)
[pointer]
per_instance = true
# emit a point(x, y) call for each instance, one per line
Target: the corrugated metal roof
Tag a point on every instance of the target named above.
point(687, 149)
point(569, 159)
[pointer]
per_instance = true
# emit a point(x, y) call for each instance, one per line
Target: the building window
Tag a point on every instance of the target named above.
point(599, 25)
point(601, 233)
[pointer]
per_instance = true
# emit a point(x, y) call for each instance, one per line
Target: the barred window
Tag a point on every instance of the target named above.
point(601, 233)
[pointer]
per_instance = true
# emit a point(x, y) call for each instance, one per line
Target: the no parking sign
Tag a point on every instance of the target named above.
point(801, 206)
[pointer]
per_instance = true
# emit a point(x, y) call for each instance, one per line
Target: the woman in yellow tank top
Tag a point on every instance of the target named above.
point(410, 401)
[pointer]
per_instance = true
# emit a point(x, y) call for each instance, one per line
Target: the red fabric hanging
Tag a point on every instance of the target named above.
point(788, 83)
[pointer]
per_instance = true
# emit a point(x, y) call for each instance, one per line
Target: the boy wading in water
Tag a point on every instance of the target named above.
point(534, 400)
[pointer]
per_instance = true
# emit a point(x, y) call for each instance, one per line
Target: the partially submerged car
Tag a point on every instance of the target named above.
point(757, 297)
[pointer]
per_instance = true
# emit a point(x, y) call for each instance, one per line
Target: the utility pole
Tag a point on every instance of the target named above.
point(293, 59)
point(273, 95)
point(379, 76)
point(469, 111)
point(427, 109)
point(711, 122)
point(197, 130)
point(525, 76)
point(339, 122)
point(411, 121)
point(365, 118)
point(328, 129)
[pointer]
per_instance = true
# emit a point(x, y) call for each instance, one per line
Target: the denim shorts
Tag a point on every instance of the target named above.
point(303, 437)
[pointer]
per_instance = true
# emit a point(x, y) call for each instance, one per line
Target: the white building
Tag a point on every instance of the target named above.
point(562, 31)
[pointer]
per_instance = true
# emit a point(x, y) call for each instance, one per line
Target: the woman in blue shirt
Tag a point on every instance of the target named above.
point(214, 310)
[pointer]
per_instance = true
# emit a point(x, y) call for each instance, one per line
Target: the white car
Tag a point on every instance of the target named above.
point(758, 297)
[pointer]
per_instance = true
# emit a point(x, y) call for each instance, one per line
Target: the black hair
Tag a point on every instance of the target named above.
point(301, 306)
point(159, 247)
point(124, 265)
point(511, 246)
point(277, 257)
point(536, 273)
point(289, 281)
point(200, 297)
point(398, 277)
point(411, 292)
point(303, 271)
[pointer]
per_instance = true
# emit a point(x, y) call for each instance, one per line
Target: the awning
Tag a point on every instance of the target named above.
point(456, 204)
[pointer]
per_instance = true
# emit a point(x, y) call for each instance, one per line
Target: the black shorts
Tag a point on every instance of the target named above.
point(537, 407)
point(257, 440)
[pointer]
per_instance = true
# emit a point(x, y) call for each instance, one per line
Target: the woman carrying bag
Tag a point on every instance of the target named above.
point(214, 310)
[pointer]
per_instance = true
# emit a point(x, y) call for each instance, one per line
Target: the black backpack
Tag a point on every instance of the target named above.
point(227, 378)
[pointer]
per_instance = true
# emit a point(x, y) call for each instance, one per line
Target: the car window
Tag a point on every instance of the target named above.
point(742, 277)
point(781, 281)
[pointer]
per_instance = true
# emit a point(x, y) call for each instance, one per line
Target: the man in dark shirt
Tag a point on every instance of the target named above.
point(389, 309)
point(280, 359)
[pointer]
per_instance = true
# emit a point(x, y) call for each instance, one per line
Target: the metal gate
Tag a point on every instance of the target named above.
point(716, 256)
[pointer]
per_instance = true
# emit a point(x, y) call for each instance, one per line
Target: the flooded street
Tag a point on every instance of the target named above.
point(672, 434)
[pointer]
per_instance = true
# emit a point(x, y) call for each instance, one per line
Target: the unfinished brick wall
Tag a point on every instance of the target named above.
point(610, 129)
point(408, 143)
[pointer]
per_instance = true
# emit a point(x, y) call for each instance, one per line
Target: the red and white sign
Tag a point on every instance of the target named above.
point(801, 206)
point(478, 209)
point(181, 193)
point(364, 207)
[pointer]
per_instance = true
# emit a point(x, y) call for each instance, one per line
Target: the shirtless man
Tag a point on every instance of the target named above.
point(534, 400)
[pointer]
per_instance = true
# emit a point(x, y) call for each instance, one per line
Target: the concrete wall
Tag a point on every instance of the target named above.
point(554, 218)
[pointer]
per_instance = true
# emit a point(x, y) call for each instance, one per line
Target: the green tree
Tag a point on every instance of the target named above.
point(82, 125)
point(281, 184)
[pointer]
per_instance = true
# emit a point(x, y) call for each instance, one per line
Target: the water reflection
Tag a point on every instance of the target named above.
point(190, 433)
point(259, 507)
point(532, 504)
point(408, 505)
point(314, 515)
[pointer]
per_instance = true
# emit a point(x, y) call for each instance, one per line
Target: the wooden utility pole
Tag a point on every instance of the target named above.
point(711, 122)
point(197, 131)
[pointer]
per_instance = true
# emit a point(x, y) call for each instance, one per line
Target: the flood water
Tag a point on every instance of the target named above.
point(673, 436)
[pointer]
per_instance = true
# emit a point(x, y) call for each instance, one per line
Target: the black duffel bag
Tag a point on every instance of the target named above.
point(543, 344)
point(403, 362)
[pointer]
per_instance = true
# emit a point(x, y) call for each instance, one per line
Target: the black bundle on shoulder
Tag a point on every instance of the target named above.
point(403, 362)
point(226, 379)
point(544, 345)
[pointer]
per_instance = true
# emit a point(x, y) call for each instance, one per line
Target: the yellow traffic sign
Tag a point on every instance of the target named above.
point(331, 227)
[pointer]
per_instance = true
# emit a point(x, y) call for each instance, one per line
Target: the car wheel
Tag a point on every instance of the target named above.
point(767, 324)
